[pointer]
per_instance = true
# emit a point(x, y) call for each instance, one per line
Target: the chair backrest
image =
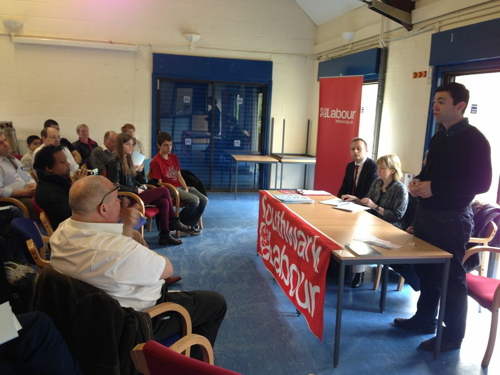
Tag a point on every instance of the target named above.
point(46, 223)
point(157, 358)
point(29, 231)
point(488, 234)
point(15, 202)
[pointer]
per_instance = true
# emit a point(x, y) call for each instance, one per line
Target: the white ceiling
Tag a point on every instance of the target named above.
point(322, 11)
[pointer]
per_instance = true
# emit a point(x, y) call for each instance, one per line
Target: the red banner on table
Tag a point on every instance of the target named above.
point(297, 255)
point(338, 124)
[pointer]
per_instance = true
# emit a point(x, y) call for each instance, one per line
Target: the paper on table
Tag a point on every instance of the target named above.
point(313, 192)
point(9, 325)
point(372, 240)
point(293, 198)
point(137, 158)
point(333, 202)
point(351, 207)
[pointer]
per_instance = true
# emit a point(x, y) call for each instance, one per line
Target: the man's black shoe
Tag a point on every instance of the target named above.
point(167, 239)
point(446, 345)
point(175, 224)
point(413, 324)
point(357, 280)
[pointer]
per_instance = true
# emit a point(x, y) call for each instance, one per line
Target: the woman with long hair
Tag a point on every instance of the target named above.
point(120, 169)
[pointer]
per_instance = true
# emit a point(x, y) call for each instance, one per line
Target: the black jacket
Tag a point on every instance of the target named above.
point(127, 182)
point(52, 195)
point(85, 151)
point(367, 175)
point(98, 331)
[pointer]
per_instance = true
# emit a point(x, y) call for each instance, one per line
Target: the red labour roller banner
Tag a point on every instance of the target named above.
point(338, 124)
point(297, 255)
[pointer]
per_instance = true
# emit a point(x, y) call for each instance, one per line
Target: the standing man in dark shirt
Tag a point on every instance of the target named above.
point(358, 178)
point(458, 167)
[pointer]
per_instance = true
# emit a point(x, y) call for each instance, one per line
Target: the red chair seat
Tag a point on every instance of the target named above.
point(163, 360)
point(151, 211)
point(482, 289)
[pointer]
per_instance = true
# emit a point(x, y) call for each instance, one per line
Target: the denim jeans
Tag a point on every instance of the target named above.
point(450, 231)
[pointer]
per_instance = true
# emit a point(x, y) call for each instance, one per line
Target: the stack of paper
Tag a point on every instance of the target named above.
point(313, 192)
point(361, 249)
point(293, 198)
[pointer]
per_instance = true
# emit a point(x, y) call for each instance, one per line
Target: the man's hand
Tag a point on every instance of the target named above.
point(410, 229)
point(80, 173)
point(418, 188)
point(28, 192)
point(130, 217)
point(348, 198)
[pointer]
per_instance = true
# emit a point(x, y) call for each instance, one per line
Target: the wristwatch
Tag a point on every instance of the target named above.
point(376, 209)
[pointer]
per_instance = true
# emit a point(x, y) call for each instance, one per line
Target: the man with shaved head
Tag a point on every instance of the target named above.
point(93, 247)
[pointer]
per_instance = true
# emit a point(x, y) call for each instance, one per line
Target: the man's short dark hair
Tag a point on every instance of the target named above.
point(44, 158)
point(162, 137)
point(458, 92)
point(32, 138)
point(49, 123)
point(43, 133)
point(360, 139)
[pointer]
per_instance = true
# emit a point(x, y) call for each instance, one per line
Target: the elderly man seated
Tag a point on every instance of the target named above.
point(93, 247)
point(15, 182)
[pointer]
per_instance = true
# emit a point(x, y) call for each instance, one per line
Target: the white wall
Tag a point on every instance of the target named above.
point(106, 89)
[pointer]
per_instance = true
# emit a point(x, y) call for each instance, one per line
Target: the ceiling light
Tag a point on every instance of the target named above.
point(13, 24)
point(348, 35)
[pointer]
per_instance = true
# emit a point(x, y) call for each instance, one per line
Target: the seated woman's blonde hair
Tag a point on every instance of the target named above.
point(392, 161)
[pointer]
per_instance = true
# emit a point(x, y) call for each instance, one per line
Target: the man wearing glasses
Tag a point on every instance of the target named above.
point(93, 247)
point(50, 136)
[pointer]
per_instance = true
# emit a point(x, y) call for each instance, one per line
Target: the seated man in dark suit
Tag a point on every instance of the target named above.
point(359, 176)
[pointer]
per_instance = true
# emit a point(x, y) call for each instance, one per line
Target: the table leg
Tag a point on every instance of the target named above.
point(442, 306)
point(281, 177)
point(275, 176)
point(236, 182)
point(385, 280)
point(231, 176)
point(340, 297)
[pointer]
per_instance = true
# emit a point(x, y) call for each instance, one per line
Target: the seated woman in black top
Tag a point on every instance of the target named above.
point(120, 169)
point(387, 199)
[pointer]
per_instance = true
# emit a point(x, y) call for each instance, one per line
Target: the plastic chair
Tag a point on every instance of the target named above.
point(153, 358)
point(35, 241)
point(485, 291)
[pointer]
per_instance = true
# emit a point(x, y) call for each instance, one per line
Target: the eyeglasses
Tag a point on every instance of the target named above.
point(117, 186)
point(54, 137)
